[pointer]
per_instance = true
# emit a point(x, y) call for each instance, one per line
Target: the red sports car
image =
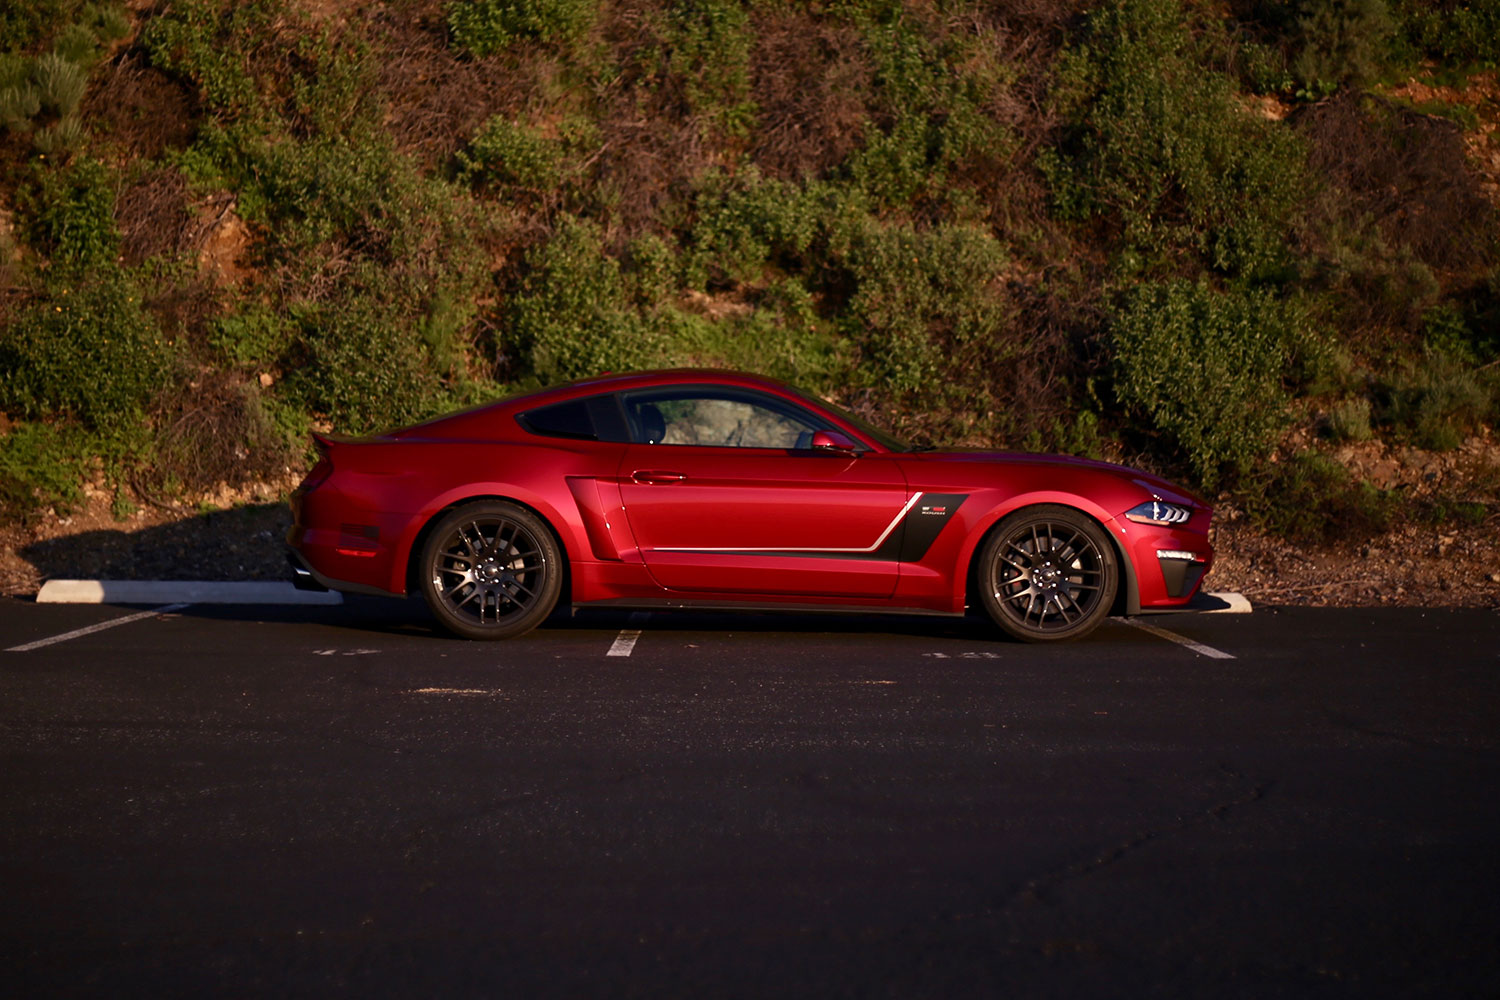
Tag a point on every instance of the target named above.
point(711, 489)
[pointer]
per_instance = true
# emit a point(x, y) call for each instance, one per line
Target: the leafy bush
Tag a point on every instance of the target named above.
point(213, 43)
point(1207, 370)
point(40, 466)
point(514, 158)
point(934, 90)
point(1437, 399)
point(89, 352)
point(359, 365)
point(483, 27)
point(744, 222)
point(1342, 42)
point(709, 43)
point(1157, 144)
point(573, 315)
point(26, 25)
point(923, 300)
point(1454, 31)
point(256, 336)
point(70, 213)
point(1312, 499)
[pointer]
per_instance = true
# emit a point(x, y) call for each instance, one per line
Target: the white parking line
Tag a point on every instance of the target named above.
point(1197, 647)
point(91, 629)
point(624, 643)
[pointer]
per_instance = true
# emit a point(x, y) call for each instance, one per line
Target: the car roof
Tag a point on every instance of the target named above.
point(611, 382)
point(479, 415)
point(676, 376)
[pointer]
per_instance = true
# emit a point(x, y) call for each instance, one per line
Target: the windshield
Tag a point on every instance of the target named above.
point(869, 430)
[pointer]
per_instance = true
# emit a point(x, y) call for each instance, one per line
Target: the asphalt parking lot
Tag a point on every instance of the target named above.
point(337, 801)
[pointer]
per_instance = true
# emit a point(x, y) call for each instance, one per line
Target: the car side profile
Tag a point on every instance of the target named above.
point(721, 490)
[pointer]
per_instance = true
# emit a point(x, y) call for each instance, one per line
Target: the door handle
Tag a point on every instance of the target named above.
point(655, 477)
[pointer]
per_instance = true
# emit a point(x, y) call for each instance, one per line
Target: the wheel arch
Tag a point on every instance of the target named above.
point(412, 576)
point(1127, 596)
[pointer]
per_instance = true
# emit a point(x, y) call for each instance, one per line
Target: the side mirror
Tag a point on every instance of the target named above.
point(835, 442)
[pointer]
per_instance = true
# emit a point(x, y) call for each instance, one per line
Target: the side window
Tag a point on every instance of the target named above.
point(716, 418)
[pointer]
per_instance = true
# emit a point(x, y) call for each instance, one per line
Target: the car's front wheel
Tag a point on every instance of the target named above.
point(1047, 573)
point(490, 570)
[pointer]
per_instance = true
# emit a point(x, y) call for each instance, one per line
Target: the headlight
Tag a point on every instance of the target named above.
point(1159, 512)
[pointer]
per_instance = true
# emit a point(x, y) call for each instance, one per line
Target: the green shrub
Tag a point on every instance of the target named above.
point(911, 302)
point(1158, 144)
point(933, 88)
point(924, 300)
point(483, 27)
point(709, 44)
point(573, 315)
point(1342, 42)
point(70, 213)
point(257, 336)
point(743, 222)
point(1435, 401)
point(26, 24)
point(778, 334)
point(1206, 369)
point(653, 268)
point(41, 466)
point(87, 351)
point(362, 367)
point(212, 44)
point(516, 158)
point(1453, 31)
point(1310, 498)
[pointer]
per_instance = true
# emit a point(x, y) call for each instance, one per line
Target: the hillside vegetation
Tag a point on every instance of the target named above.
point(1217, 239)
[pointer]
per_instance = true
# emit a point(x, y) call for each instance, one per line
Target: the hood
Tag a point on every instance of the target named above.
point(1150, 482)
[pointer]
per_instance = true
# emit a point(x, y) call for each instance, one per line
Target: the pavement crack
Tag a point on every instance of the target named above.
point(1366, 729)
point(1037, 888)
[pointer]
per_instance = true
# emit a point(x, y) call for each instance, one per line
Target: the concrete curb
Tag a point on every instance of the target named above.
point(1239, 604)
point(180, 592)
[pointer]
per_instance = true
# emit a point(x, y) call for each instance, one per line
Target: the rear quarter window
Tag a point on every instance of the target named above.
point(565, 420)
point(592, 418)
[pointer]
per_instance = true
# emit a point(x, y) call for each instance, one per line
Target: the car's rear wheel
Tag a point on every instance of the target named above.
point(491, 570)
point(1048, 573)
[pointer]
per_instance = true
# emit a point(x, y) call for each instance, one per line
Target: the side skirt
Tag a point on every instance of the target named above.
point(680, 604)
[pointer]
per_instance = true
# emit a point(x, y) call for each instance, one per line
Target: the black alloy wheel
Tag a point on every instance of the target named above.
point(1048, 573)
point(491, 570)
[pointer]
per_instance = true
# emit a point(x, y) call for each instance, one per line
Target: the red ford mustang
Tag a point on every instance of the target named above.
point(710, 489)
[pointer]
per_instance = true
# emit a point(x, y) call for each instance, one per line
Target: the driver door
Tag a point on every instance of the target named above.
point(724, 494)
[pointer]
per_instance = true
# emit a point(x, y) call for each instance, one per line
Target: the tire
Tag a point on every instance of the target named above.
point(1047, 574)
point(491, 570)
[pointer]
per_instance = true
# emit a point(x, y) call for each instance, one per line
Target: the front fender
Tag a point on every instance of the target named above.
point(1126, 602)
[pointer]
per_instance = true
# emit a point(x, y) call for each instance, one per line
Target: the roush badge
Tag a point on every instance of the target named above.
point(940, 511)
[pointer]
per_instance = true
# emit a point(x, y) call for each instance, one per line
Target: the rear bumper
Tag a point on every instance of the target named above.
point(303, 577)
point(305, 574)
